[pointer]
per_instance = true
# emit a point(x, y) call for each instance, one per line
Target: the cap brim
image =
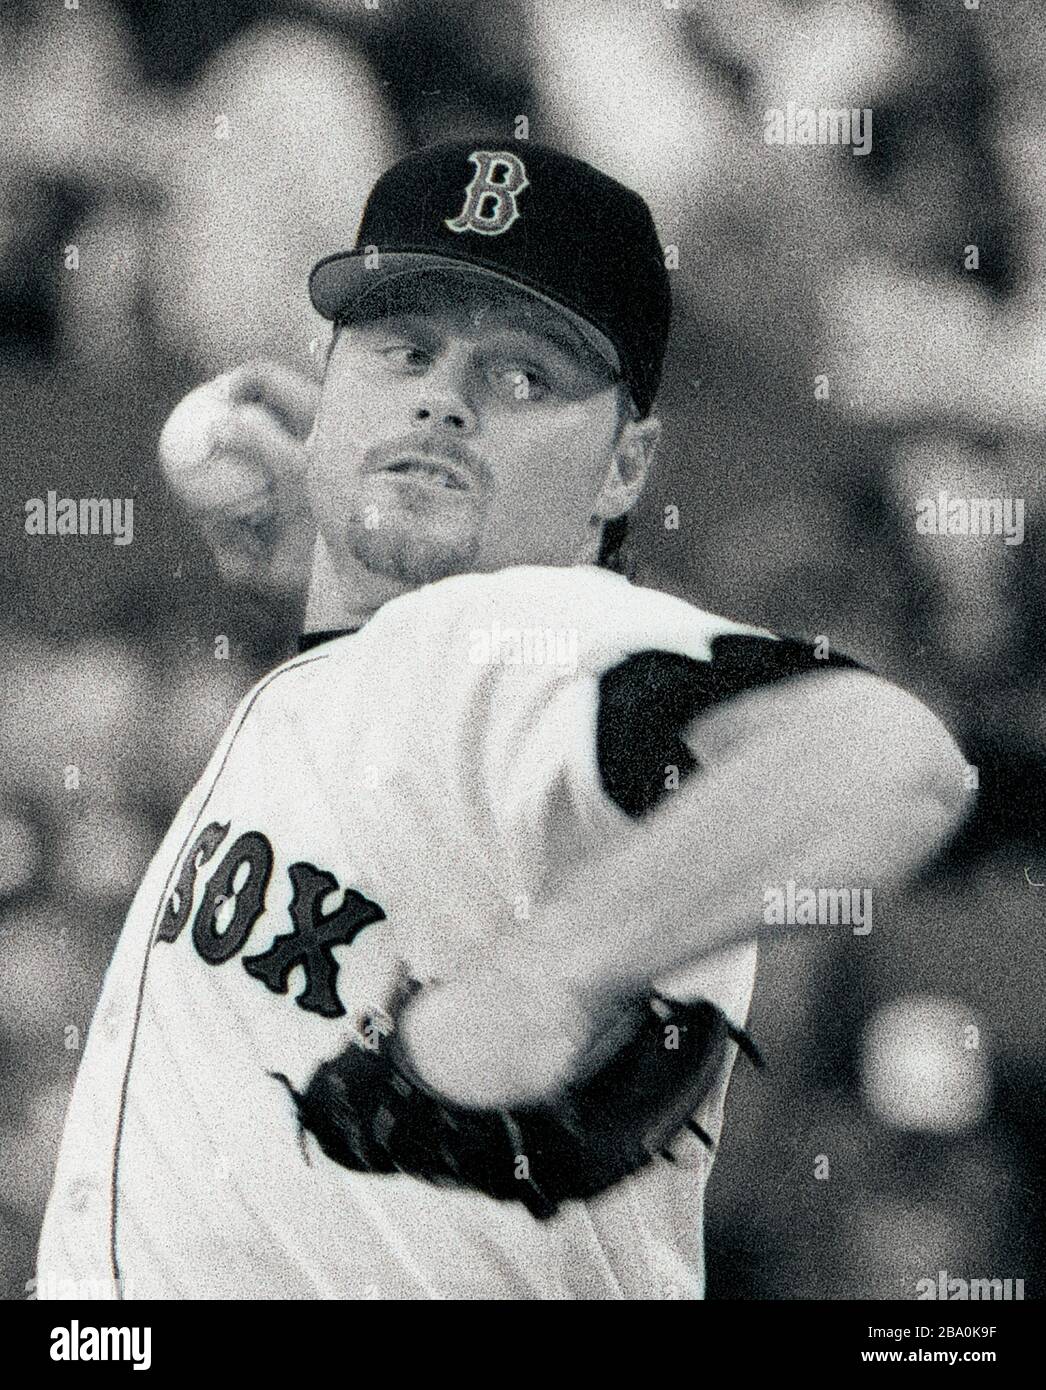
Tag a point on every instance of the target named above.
point(345, 281)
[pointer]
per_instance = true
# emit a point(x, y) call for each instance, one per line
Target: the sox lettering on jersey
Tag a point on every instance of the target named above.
point(179, 905)
point(313, 932)
point(491, 204)
point(309, 944)
point(214, 946)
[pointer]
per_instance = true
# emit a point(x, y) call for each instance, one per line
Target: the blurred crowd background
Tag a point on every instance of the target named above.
point(169, 171)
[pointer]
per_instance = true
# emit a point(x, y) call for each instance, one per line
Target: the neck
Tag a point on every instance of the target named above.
point(347, 599)
point(343, 600)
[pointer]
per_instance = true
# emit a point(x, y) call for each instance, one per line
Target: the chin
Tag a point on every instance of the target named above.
point(412, 557)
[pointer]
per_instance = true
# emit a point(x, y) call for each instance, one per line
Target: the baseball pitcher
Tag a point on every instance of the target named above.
point(435, 985)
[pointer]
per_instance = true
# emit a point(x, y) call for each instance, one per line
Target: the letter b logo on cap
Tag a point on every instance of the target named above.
point(491, 205)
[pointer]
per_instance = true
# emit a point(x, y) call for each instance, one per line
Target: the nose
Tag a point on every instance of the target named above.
point(443, 401)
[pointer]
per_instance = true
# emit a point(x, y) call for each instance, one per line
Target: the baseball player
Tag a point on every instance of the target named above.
point(434, 987)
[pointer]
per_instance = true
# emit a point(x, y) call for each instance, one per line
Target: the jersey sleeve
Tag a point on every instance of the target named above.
point(647, 701)
point(646, 704)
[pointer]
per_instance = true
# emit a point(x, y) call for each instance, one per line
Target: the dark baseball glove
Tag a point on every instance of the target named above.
point(633, 1093)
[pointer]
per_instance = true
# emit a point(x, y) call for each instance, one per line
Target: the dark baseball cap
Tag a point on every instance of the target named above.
point(526, 214)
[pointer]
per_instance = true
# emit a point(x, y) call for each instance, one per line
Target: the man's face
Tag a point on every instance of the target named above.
point(463, 427)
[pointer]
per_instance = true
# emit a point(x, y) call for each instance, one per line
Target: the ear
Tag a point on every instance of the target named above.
point(629, 468)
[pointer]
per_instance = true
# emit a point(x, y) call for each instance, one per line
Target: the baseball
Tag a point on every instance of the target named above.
point(202, 471)
point(188, 436)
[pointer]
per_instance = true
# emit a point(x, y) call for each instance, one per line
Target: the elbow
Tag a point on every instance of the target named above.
point(937, 812)
point(945, 791)
point(916, 787)
point(930, 784)
point(938, 772)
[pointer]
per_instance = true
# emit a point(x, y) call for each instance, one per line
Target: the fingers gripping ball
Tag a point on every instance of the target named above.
point(629, 1091)
point(234, 452)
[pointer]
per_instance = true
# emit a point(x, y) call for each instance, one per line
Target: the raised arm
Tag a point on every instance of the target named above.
point(831, 779)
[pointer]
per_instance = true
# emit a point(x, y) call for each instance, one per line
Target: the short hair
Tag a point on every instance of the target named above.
point(612, 542)
point(613, 539)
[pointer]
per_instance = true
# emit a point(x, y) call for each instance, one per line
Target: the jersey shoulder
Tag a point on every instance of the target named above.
point(495, 648)
point(601, 617)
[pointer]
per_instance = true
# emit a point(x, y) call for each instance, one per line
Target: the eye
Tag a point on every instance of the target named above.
point(406, 355)
point(520, 382)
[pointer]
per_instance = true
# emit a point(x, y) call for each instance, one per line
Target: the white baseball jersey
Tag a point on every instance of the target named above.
point(403, 792)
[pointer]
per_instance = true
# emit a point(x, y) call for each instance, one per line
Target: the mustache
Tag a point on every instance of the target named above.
point(435, 447)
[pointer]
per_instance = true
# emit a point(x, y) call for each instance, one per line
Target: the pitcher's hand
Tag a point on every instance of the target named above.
point(233, 452)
